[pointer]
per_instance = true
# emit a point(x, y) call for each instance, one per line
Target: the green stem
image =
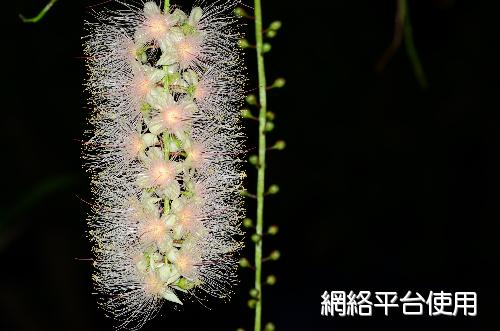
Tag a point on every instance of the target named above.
point(166, 6)
point(262, 161)
point(411, 50)
point(40, 15)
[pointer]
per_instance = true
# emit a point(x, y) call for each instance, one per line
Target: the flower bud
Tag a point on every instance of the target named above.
point(244, 263)
point(271, 280)
point(280, 145)
point(243, 43)
point(253, 159)
point(246, 113)
point(279, 82)
point(251, 99)
point(270, 115)
point(252, 303)
point(247, 223)
point(269, 327)
point(275, 255)
point(271, 34)
point(273, 189)
point(276, 25)
point(272, 230)
point(266, 47)
point(269, 126)
point(254, 293)
point(239, 12)
point(256, 238)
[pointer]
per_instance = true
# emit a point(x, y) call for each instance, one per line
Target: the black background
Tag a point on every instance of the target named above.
point(384, 186)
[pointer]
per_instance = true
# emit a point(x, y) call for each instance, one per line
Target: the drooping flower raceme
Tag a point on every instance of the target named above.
point(163, 152)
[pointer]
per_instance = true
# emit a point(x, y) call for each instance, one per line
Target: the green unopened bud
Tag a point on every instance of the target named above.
point(254, 293)
point(270, 115)
point(243, 43)
point(266, 47)
point(255, 238)
point(248, 223)
point(271, 280)
point(253, 159)
point(273, 189)
point(269, 327)
point(252, 303)
point(279, 82)
point(184, 284)
point(273, 230)
point(280, 145)
point(271, 33)
point(276, 25)
point(275, 255)
point(244, 263)
point(240, 12)
point(246, 113)
point(269, 126)
point(251, 99)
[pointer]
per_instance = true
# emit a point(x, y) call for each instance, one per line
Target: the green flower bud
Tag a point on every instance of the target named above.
point(255, 238)
point(247, 223)
point(273, 189)
point(185, 284)
point(254, 293)
point(279, 82)
point(244, 263)
point(239, 12)
point(246, 113)
point(273, 230)
point(251, 99)
point(253, 159)
point(252, 303)
point(269, 327)
point(195, 16)
point(271, 280)
point(276, 25)
point(243, 43)
point(266, 47)
point(275, 255)
point(280, 145)
point(271, 34)
point(269, 126)
point(270, 115)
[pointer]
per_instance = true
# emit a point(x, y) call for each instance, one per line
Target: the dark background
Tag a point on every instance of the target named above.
point(384, 186)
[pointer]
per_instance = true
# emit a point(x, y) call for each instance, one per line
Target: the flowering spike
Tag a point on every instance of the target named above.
point(164, 155)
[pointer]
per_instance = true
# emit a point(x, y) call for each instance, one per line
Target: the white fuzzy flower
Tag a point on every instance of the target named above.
point(163, 153)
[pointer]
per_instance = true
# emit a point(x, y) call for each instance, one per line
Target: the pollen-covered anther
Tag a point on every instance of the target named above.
point(154, 230)
point(153, 285)
point(133, 146)
point(188, 50)
point(161, 173)
point(187, 264)
point(195, 155)
point(141, 86)
point(202, 91)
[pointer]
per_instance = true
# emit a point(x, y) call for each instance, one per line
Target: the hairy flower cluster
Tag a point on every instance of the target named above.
point(163, 152)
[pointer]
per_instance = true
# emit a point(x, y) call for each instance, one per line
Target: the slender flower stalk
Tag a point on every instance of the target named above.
point(261, 166)
point(265, 121)
point(163, 154)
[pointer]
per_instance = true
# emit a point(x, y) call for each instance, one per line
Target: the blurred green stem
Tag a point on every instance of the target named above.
point(262, 161)
point(166, 6)
point(40, 15)
point(403, 31)
point(411, 50)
